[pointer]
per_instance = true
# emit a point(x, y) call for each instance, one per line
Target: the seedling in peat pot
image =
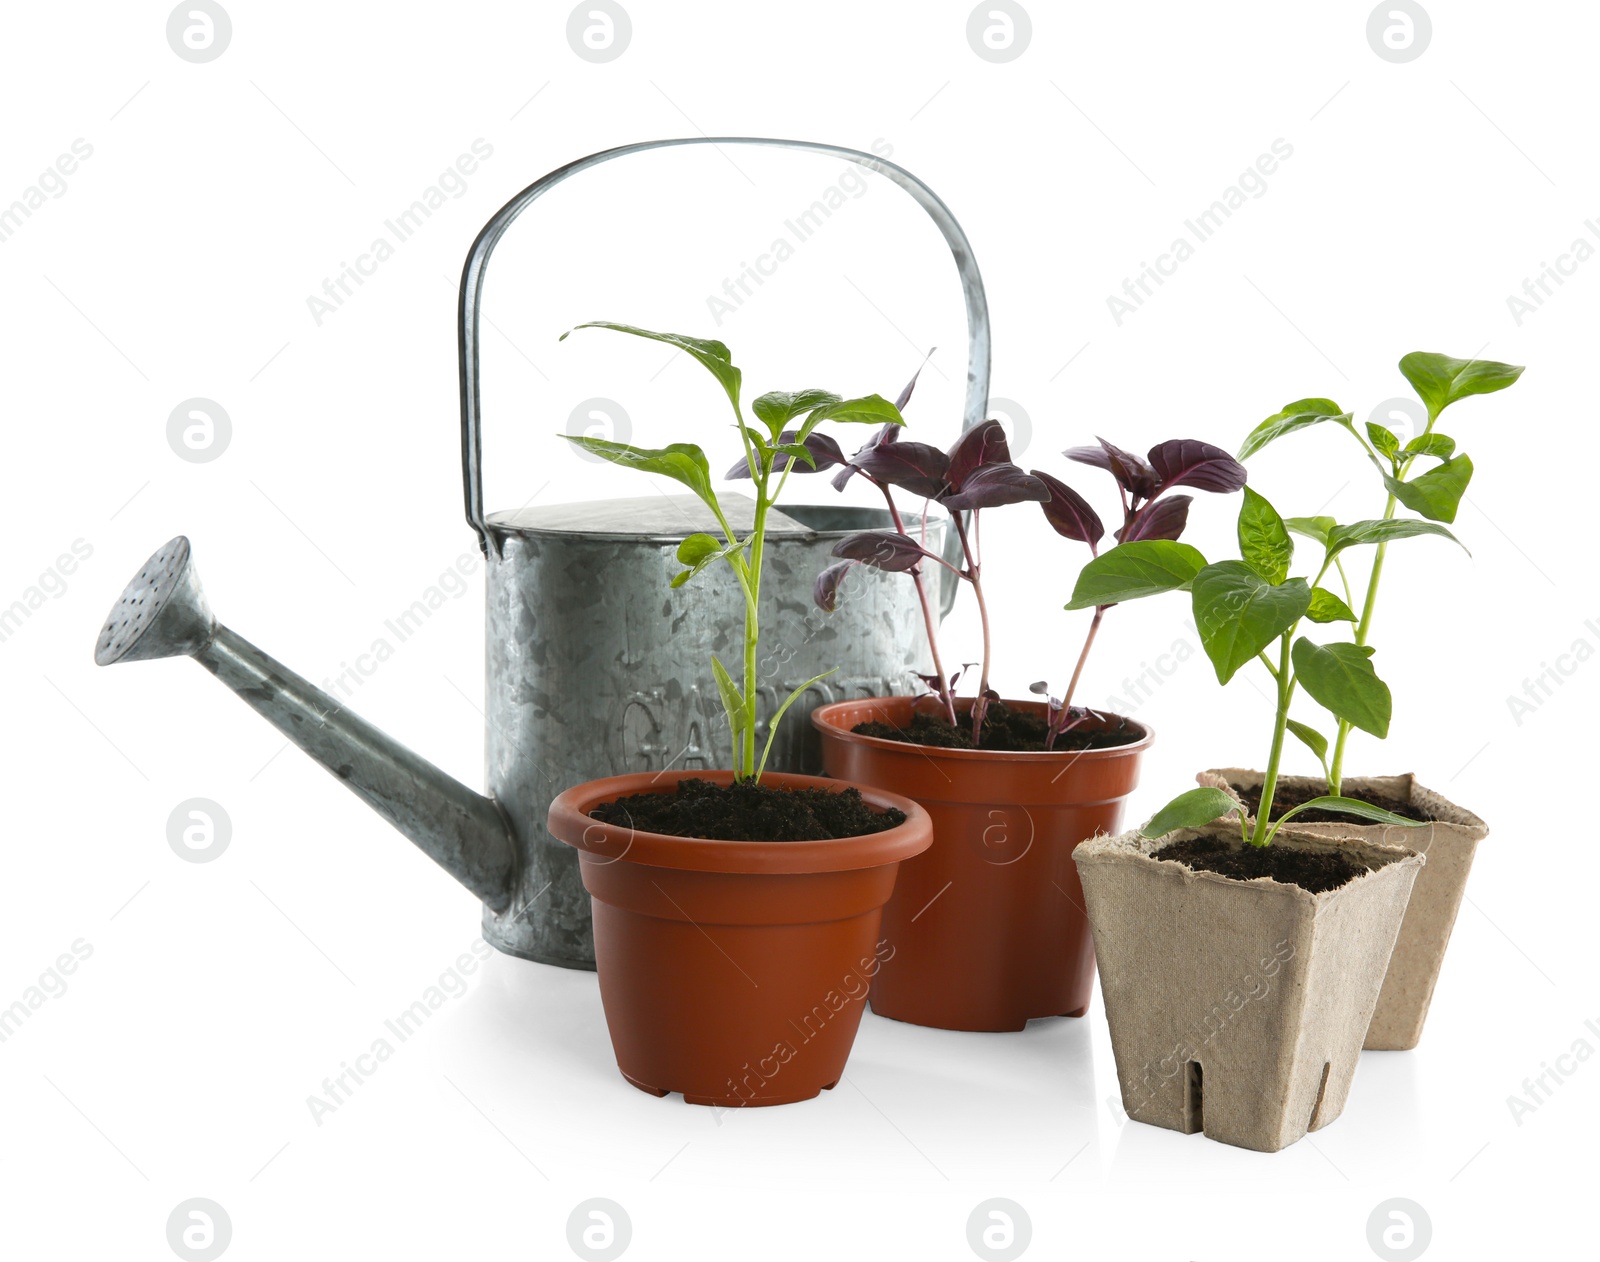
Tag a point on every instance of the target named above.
point(1434, 494)
point(769, 449)
point(1242, 608)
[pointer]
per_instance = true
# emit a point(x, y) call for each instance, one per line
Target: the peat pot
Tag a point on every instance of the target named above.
point(734, 972)
point(1237, 1008)
point(1450, 842)
point(988, 926)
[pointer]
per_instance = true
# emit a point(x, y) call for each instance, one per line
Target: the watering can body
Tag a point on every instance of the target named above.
point(597, 667)
point(594, 665)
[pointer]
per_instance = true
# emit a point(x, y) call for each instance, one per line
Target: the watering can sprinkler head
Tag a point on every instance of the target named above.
point(163, 613)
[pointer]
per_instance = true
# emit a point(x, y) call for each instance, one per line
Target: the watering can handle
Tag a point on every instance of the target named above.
point(477, 264)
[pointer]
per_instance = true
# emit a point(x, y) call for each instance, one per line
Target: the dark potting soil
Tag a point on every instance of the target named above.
point(749, 812)
point(1007, 730)
point(1314, 870)
point(1283, 798)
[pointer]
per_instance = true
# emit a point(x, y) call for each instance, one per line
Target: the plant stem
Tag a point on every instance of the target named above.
point(980, 703)
point(1269, 784)
point(744, 759)
point(927, 610)
point(1088, 643)
point(1363, 628)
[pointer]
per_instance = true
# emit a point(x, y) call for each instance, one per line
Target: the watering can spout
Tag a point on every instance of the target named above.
point(163, 613)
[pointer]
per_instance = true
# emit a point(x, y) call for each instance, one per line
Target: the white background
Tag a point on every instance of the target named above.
point(177, 263)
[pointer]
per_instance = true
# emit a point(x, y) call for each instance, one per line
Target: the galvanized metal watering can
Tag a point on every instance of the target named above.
point(595, 667)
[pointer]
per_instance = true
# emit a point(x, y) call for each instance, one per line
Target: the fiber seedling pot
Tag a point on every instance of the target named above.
point(1450, 843)
point(1237, 1008)
point(988, 925)
point(734, 972)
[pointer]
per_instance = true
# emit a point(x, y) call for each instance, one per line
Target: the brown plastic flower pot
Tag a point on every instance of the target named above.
point(1237, 1008)
point(1450, 843)
point(988, 926)
point(734, 972)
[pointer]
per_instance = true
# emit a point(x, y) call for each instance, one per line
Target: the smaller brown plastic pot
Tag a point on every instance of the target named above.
point(988, 927)
point(734, 972)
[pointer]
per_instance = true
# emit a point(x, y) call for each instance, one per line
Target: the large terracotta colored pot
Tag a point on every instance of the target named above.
point(988, 926)
point(734, 972)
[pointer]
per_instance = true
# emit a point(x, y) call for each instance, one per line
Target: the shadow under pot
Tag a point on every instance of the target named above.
point(734, 972)
point(988, 926)
point(1449, 841)
point(1238, 1007)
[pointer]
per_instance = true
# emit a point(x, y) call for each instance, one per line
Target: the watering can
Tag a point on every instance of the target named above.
point(594, 666)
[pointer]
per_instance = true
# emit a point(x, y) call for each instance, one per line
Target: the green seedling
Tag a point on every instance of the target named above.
point(783, 440)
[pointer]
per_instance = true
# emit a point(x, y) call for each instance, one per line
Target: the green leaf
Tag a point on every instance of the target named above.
point(799, 451)
point(1293, 416)
point(1440, 445)
point(1439, 380)
point(1311, 527)
point(1382, 530)
point(1326, 607)
point(1340, 678)
point(1264, 541)
point(1239, 613)
point(873, 409)
point(1193, 809)
point(732, 703)
point(1437, 493)
point(1312, 739)
point(777, 408)
point(1383, 439)
point(716, 357)
point(699, 551)
point(1145, 567)
point(1353, 806)
point(682, 462)
point(772, 725)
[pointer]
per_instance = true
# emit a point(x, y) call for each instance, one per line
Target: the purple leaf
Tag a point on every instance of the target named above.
point(883, 550)
point(824, 450)
point(826, 590)
point(1131, 471)
point(914, 467)
point(905, 395)
point(1190, 462)
point(888, 434)
point(1069, 513)
point(983, 444)
point(992, 485)
point(1164, 518)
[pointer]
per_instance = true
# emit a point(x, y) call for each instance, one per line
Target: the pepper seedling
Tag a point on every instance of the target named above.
point(1434, 494)
point(1243, 608)
point(785, 441)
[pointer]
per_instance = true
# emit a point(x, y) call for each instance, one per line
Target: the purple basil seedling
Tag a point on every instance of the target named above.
point(975, 474)
point(1149, 513)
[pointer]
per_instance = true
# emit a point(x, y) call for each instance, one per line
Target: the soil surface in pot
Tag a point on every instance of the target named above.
point(749, 812)
point(1004, 730)
point(1285, 798)
point(1314, 870)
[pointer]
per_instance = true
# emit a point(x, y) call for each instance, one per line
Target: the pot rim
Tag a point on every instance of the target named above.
point(821, 719)
point(597, 842)
point(1133, 847)
point(1446, 812)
